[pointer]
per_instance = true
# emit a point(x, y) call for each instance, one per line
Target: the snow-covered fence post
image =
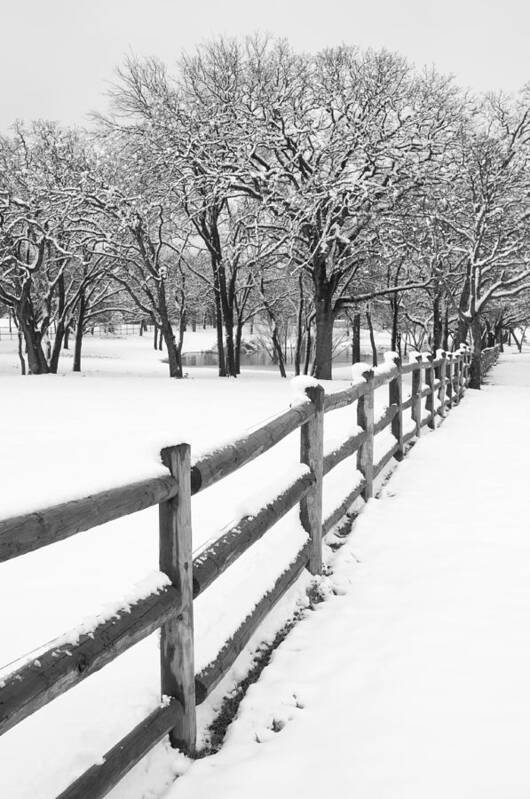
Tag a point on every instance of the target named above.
point(461, 375)
point(442, 370)
point(463, 383)
point(457, 377)
point(449, 380)
point(365, 420)
point(312, 454)
point(430, 403)
point(395, 397)
point(468, 366)
point(176, 641)
point(417, 384)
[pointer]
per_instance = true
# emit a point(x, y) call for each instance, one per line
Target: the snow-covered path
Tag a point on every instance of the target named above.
point(413, 680)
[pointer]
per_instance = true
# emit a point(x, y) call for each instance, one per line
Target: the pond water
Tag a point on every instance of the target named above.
point(262, 359)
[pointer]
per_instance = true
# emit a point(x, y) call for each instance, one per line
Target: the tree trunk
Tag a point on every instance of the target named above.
point(20, 353)
point(518, 343)
point(79, 330)
point(445, 340)
point(372, 337)
point(180, 342)
point(499, 334)
point(219, 326)
point(356, 338)
point(278, 350)
point(299, 326)
point(437, 324)
point(394, 304)
point(475, 376)
point(175, 362)
point(227, 306)
point(37, 364)
point(56, 349)
point(237, 348)
point(230, 350)
point(463, 326)
point(78, 344)
point(175, 365)
point(324, 339)
point(308, 347)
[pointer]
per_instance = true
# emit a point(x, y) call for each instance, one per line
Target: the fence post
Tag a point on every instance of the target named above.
point(443, 383)
point(417, 384)
point(462, 375)
point(365, 420)
point(458, 369)
point(176, 641)
point(468, 366)
point(457, 377)
point(449, 380)
point(395, 397)
point(464, 370)
point(312, 454)
point(430, 402)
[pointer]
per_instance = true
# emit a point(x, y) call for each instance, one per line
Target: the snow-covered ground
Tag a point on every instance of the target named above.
point(104, 354)
point(69, 435)
point(64, 436)
point(412, 681)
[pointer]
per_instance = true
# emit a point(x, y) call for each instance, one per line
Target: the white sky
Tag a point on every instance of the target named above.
point(57, 56)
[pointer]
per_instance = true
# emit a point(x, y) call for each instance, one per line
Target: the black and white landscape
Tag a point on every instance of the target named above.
point(264, 388)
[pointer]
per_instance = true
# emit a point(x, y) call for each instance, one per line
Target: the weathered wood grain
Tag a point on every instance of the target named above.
point(213, 673)
point(177, 672)
point(385, 419)
point(341, 510)
point(395, 398)
point(349, 447)
point(312, 455)
point(22, 534)
point(339, 399)
point(384, 377)
point(365, 420)
point(99, 780)
point(215, 558)
point(212, 467)
point(442, 375)
point(431, 396)
point(65, 663)
point(417, 394)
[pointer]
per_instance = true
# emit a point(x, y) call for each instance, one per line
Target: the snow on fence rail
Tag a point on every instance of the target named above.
point(169, 605)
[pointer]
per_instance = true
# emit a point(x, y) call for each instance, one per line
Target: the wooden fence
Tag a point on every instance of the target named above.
point(488, 358)
point(440, 381)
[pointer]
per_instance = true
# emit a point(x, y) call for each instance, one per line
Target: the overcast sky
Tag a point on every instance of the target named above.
point(57, 57)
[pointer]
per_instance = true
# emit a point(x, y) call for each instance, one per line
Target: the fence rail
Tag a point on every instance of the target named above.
point(441, 381)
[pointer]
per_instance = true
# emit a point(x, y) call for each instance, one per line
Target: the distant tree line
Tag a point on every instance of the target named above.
point(256, 182)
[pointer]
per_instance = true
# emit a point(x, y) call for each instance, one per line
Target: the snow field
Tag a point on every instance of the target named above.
point(67, 436)
point(412, 680)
